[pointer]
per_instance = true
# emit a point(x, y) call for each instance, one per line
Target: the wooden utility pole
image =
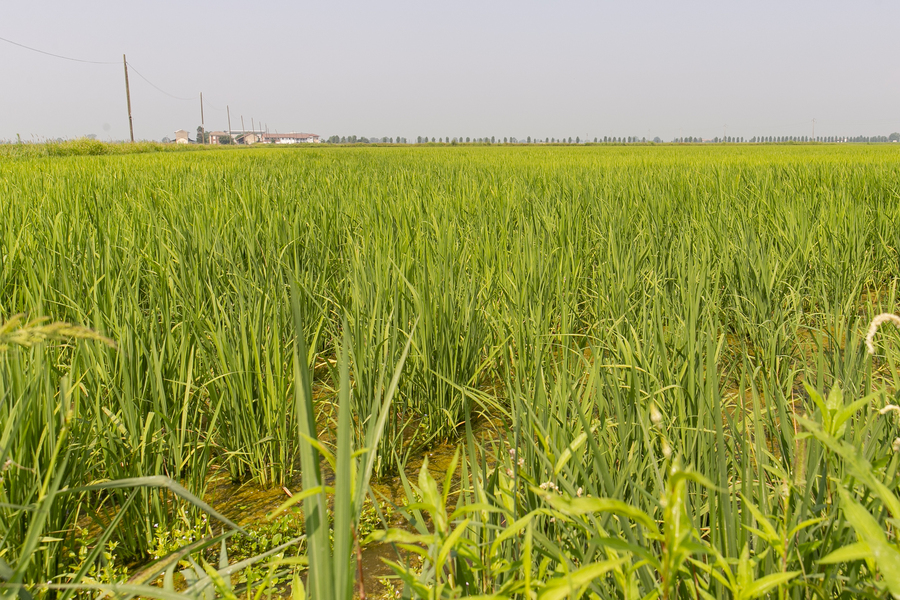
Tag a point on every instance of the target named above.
point(202, 122)
point(128, 98)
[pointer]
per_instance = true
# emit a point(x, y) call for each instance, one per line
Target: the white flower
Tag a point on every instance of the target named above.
point(579, 492)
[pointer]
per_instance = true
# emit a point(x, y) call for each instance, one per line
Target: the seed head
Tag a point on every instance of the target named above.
point(876, 323)
point(666, 449)
point(785, 490)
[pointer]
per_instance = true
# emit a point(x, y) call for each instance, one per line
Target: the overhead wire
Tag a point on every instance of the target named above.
point(93, 62)
point(213, 106)
point(159, 89)
point(90, 62)
point(106, 62)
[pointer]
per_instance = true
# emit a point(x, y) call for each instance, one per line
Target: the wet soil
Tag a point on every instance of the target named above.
point(249, 505)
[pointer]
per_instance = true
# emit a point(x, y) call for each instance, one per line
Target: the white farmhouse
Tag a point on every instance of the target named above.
point(290, 138)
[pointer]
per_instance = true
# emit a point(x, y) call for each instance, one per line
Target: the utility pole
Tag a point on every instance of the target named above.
point(128, 98)
point(814, 130)
point(243, 131)
point(228, 110)
point(252, 126)
point(202, 122)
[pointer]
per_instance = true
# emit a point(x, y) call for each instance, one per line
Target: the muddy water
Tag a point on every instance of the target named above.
point(248, 505)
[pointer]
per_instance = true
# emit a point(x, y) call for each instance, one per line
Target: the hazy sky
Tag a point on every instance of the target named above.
point(460, 68)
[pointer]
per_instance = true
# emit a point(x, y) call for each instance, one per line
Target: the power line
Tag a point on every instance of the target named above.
point(91, 62)
point(159, 89)
point(213, 106)
point(94, 62)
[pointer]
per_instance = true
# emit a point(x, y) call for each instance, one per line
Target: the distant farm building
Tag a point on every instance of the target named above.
point(219, 137)
point(290, 138)
point(261, 137)
point(251, 137)
point(247, 137)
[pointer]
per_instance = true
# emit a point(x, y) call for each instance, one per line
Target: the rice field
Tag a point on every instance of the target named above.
point(667, 342)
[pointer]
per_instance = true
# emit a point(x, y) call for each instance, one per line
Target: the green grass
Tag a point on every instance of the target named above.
point(569, 292)
point(86, 147)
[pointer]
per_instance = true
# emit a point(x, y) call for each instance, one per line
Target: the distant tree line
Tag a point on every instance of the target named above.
point(632, 139)
point(352, 139)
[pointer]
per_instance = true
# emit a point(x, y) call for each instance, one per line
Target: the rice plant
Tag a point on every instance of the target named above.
point(616, 312)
